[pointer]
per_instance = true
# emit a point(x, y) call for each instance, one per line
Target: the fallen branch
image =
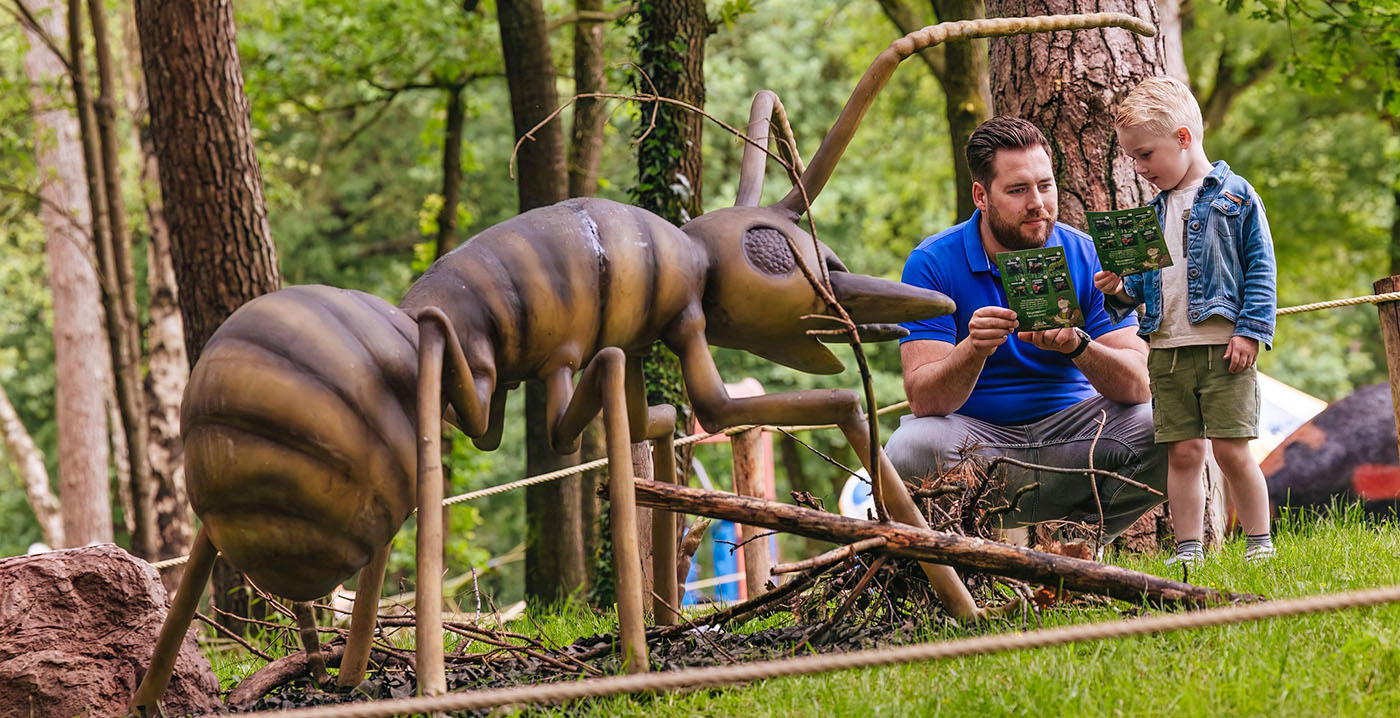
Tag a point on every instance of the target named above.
point(830, 557)
point(276, 673)
point(1062, 470)
point(945, 548)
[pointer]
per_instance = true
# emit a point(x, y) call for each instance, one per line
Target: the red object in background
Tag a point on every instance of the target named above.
point(1376, 482)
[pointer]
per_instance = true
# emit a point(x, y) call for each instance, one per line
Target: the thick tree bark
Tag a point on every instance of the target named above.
point(961, 69)
point(29, 464)
point(590, 116)
point(168, 367)
point(555, 564)
point(451, 170)
point(1068, 84)
point(126, 362)
point(80, 345)
point(945, 548)
point(220, 241)
point(221, 247)
point(670, 182)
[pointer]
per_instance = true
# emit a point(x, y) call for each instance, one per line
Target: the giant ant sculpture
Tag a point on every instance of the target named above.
point(312, 420)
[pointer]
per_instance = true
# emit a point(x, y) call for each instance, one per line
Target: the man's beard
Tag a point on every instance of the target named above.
point(1012, 235)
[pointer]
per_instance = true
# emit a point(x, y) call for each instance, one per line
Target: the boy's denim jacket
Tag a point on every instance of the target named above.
point(1230, 268)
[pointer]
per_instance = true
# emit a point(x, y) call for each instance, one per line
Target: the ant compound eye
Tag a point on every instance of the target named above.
point(767, 249)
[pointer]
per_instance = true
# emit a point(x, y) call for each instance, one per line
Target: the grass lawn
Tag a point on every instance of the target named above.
point(1338, 664)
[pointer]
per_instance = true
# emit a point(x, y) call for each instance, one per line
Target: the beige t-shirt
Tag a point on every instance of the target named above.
point(1176, 329)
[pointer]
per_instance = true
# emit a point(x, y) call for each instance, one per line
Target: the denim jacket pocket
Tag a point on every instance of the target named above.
point(1227, 204)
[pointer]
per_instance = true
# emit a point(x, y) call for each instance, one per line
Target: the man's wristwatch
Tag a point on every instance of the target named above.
point(1084, 340)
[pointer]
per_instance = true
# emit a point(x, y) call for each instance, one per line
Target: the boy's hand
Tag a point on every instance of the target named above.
point(1110, 284)
point(1241, 353)
point(989, 327)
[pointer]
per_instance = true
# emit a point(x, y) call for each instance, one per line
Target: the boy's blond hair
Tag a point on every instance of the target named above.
point(1160, 105)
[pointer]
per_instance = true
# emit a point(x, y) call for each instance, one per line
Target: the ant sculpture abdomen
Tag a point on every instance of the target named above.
point(299, 431)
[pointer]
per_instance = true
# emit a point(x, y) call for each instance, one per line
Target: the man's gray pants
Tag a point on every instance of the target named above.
point(927, 445)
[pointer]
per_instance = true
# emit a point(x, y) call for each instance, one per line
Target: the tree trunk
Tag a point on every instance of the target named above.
point(961, 69)
point(126, 362)
point(451, 171)
point(555, 564)
point(80, 352)
point(168, 367)
point(221, 247)
point(586, 145)
point(1068, 84)
point(29, 462)
point(668, 158)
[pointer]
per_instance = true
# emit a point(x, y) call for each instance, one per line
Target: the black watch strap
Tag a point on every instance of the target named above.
point(1084, 340)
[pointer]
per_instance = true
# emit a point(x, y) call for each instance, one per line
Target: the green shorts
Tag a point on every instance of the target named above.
point(1194, 395)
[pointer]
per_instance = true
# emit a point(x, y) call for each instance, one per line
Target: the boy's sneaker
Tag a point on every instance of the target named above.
point(1258, 548)
point(1259, 554)
point(1191, 559)
point(1189, 553)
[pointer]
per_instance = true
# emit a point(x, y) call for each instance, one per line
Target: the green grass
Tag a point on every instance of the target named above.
point(1338, 664)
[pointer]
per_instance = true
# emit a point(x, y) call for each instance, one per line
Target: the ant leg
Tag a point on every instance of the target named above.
point(362, 620)
point(146, 700)
point(310, 642)
point(604, 383)
point(432, 677)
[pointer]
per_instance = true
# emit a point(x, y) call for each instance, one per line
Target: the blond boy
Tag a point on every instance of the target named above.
point(1205, 315)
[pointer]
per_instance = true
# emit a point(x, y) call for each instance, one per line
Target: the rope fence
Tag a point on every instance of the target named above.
point(691, 678)
point(600, 463)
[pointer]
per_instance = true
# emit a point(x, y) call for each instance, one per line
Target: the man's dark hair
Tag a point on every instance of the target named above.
point(994, 135)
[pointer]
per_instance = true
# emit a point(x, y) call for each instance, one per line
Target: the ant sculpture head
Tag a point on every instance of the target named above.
point(760, 294)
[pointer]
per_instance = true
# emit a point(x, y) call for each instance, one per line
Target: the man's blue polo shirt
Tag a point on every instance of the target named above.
point(1019, 384)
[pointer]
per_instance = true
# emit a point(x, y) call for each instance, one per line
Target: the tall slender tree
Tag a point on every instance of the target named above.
point(122, 320)
point(66, 214)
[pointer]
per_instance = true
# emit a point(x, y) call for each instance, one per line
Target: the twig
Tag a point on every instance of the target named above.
point(227, 633)
point(934, 492)
point(741, 544)
point(814, 450)
point(1010, 505)
point(833, 556)
point(1094, 482)
point(1061, 470)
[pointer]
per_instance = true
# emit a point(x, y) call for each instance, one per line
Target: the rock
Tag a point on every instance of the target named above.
point(1347, 452)
point(76, 632)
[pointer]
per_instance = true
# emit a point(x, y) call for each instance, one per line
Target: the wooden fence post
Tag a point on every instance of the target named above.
point(748, 481)
point(1390, 332)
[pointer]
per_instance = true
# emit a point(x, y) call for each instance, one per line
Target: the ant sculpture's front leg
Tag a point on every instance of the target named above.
point(715, 410)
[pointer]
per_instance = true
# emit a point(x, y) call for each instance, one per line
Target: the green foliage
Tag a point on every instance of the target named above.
point(1356, 40)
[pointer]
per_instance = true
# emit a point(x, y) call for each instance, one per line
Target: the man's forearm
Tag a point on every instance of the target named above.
point(942, 387)
point(1117, 373)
